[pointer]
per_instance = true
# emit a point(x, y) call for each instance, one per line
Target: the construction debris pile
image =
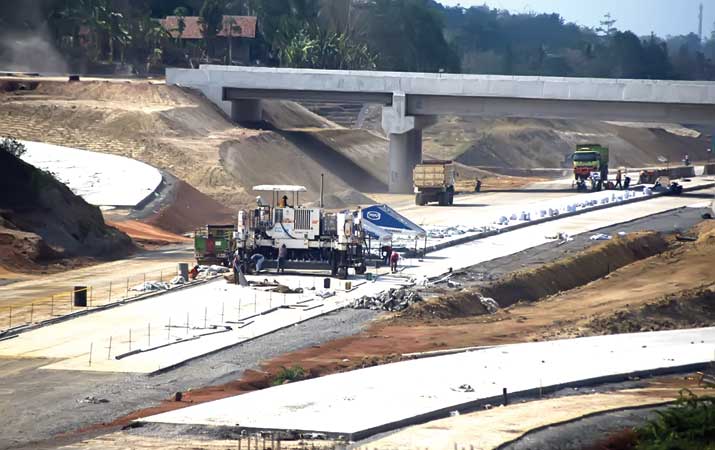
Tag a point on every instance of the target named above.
point(392, 300)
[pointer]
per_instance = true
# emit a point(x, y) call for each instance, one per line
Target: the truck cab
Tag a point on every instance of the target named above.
point(590, 159)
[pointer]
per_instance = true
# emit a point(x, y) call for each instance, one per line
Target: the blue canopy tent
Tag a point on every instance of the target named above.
point(386, 218)
point(382, 223)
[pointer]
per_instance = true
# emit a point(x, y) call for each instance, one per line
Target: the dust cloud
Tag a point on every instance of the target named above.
point(30, 51)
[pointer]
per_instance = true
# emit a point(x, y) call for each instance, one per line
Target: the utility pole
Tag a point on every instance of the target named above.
point(700, 23)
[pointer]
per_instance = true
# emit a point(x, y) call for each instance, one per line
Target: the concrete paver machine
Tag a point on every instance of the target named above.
point(315, 239)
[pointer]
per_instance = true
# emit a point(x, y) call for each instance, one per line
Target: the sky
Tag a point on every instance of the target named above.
point(664, 17)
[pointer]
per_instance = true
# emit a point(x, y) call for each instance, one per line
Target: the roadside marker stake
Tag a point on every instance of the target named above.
point(205, 313)
point(110, 292)
point(109, 352)
point(223, 304)
point(32, 312)
point(130, 339)
point(168, 331)
point(52, 306)
point(187, 322)
point(90, 353)
point(149, 334)
point(10, 326)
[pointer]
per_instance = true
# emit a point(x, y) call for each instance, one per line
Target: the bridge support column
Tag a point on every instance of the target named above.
point(405, 148)
point(246, 110)
point(405, 154)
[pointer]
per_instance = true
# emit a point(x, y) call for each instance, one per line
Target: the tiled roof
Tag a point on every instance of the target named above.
point(247, 25)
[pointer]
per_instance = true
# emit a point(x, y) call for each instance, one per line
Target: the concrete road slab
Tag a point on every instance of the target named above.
point(360, 403)
point(99, 178)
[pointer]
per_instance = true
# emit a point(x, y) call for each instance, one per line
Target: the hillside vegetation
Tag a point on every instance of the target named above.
point(402, 35)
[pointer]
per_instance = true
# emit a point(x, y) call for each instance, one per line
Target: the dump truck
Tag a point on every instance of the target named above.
point(590, 163)
point(214, 244)
point(315, 239)
point(434, 182)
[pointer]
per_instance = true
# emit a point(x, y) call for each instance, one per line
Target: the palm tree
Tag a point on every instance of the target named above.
point(180, 13)
point(233, 29)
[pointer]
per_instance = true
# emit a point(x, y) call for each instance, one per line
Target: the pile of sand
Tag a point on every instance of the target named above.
point(189, 209)
point(536, 143)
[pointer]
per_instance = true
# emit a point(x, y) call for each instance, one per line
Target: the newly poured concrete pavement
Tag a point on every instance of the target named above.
point(84, 343)
point(99, 178)
point(360, 403)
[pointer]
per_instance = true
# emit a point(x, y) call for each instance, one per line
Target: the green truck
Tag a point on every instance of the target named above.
point(590, 163)
point(215, 244)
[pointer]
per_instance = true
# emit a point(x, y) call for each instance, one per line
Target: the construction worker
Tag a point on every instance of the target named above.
point(282, 256)
point(386, 253)
point(236, 264)
point(626, 183)
point(393, 261)
point(619, 177)
point(284, 202)
point(257, 260)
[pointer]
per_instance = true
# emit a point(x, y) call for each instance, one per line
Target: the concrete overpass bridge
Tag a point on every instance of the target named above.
point(411, 101)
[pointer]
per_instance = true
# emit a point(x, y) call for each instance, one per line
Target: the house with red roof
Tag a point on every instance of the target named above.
point(232, 40)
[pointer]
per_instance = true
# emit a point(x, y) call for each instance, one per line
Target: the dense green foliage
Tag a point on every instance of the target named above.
point(689, 425)
point(404, 35)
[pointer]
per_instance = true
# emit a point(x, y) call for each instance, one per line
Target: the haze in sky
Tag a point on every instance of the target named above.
point(664, 17)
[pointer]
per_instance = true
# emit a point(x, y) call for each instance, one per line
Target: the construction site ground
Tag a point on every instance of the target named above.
point(182, 134)
point(317, 347)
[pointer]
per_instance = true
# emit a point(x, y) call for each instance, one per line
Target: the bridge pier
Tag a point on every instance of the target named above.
point(248, 110)
point(405, 152)
point(405, 148)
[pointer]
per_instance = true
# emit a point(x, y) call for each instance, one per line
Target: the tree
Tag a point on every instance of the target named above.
point(408, 36)
point(233, 30)
point(12, 146)
point(180, 12)
point(211, 22)
point(607, 27)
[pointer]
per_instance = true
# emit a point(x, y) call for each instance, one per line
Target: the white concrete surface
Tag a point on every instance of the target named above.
point(101, 179)
point(475, 252)
point(359, 403)
point(467, 218)
point(460, 85)
point(188, 319)
point(218, 303)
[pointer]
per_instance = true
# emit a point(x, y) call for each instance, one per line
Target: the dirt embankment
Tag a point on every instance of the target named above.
point(536, 143)
point(42, 221)
point(182, 133)
point(693, 308)
point(533, 284)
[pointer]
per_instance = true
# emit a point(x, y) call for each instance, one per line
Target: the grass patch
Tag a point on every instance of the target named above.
point(289, 374)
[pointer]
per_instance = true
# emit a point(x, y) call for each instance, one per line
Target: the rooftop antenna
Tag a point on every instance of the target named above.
point(700, 23)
